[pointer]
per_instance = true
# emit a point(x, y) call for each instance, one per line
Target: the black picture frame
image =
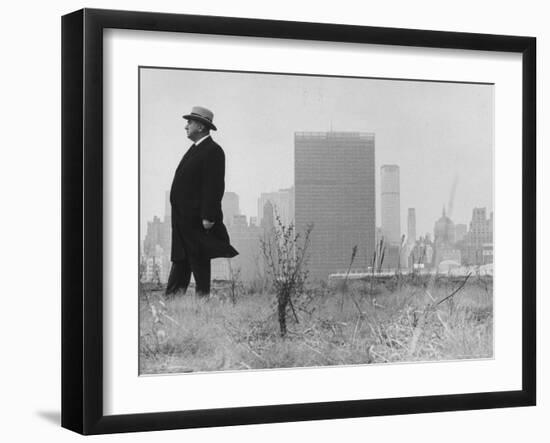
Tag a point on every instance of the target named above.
point(82, 218)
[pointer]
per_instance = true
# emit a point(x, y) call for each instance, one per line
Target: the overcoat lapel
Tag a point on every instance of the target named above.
point(193, 149)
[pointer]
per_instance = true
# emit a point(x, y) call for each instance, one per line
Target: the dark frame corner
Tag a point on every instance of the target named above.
point(82, 153)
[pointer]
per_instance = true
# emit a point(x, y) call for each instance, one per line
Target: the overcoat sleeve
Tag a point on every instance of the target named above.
point(213, 185)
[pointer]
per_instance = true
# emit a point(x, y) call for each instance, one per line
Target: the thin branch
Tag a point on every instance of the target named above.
point(455, 291)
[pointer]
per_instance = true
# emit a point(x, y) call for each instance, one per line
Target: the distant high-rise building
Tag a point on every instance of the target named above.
point(481, 227)
point(411, 226)
point(268, 216)
point(392, 257)
point(335, 190)
point(282, 202)
point(444, 241)
point(421, 255)
point(444, 230)
point(246, 239)
point(390, 204)
point(151, 269)
point(477, 245)
point(230, 207)
point(239, 221)
point(460, 231)
point(157, 244)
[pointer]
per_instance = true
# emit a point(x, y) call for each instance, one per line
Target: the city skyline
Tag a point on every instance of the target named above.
point(256, 215)
point(440, 134)
point(254, 219)
point(451, 245)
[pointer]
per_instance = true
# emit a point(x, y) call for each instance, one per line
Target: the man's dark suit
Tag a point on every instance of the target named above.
point(196, 195)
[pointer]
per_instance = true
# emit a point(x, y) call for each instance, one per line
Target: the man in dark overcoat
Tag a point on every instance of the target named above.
point(198, 232)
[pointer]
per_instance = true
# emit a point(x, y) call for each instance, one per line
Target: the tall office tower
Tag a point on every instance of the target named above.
point(481, 227)
point(411, 226)
point(268, 219)
point(282, 202)
point(230, 207)
point(477, 244)
point(335, 190)
point(391, 214)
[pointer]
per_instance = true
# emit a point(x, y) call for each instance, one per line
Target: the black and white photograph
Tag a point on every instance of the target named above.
point(276, 222)
point(295, 221)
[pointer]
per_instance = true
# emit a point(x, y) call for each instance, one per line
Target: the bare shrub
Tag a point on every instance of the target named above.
point(236, 286)
point(285, 258)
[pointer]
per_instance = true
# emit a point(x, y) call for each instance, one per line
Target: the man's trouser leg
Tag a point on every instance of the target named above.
point(201, 272)
point(178, 280)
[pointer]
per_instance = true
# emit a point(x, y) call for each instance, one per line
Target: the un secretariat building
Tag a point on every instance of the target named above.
point(335, 190)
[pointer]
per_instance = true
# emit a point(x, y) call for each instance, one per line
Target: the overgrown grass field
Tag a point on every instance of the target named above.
point(345, 324)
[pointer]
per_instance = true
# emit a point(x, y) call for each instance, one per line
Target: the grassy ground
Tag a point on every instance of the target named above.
point(349, 324)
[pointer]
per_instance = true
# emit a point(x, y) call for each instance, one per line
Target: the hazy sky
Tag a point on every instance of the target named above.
point(440, 134)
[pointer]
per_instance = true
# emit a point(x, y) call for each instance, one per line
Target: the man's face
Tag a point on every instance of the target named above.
point(193, 129)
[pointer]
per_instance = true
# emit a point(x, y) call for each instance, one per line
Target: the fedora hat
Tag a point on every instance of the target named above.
point(202, 115)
